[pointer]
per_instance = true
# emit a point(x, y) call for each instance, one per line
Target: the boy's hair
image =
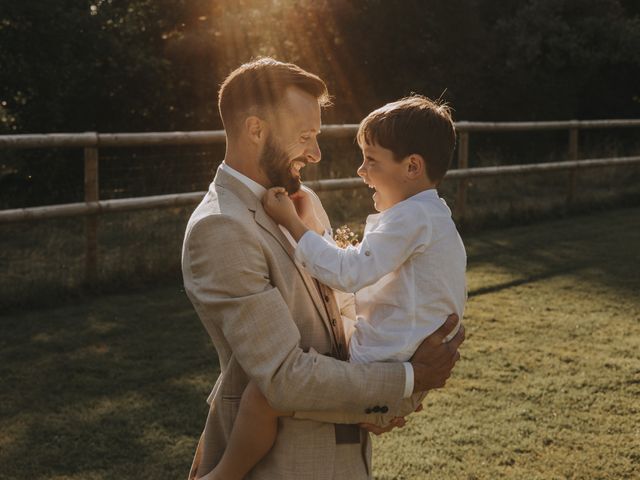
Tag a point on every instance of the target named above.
point(258, 86)
point(413, 125)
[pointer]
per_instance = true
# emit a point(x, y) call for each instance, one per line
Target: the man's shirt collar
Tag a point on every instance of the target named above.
point(257, 189)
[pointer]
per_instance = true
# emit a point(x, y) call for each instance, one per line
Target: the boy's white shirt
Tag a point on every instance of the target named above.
point(408, 274)
point(341, 297)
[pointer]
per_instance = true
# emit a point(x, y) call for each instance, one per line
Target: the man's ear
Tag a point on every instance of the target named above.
point(416, 166)
point(256, 129)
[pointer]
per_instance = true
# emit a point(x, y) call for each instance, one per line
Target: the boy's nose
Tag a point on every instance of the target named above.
point(360, 170)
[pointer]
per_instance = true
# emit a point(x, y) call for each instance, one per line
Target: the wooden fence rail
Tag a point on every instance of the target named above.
point(100, 140)
point(92, 208)
point(91, 142)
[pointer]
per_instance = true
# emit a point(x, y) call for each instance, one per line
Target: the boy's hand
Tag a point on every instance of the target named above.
point(279, 206)
point(302, 202)
point(307, 214)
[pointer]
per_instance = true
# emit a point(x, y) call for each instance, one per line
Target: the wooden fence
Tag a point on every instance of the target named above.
point(91, 142)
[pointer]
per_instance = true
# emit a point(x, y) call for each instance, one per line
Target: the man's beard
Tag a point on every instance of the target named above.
point(275, 163)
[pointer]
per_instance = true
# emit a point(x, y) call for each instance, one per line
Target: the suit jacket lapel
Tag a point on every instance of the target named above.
point(228, 182)
point(270, 226)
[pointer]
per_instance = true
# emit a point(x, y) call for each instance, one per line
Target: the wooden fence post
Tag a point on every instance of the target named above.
point(91, 194)
point(573, 155)
point(463, 162)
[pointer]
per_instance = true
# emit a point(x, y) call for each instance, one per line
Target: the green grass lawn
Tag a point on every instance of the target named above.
point(548, 386)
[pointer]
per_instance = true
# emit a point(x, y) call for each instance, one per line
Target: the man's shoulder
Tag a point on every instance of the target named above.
point(220, 206)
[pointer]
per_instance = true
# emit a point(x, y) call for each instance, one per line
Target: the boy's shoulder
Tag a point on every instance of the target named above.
point(427, 201)
point(411, 214)
point(424, 210)
point(432, 203)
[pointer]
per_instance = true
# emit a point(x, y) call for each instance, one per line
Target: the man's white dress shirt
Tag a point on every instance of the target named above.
point(408, 274)
point(259, 191)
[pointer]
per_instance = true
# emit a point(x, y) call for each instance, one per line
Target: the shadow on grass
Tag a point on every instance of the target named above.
point(107, 386)
point(524, 281)
point(115, 386)
point(603, 248)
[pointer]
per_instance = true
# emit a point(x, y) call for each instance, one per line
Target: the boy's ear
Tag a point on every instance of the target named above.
point(256, 129)
point(415, 166)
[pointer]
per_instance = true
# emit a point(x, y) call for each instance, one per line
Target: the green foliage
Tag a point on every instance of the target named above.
point(155, 65)
point(570, 59)
point(145, 65)
point(71, 68)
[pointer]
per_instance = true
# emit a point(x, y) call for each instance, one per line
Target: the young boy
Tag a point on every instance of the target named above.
point(408, 272)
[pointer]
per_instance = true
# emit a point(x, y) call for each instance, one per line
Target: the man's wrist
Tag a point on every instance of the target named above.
point(417, 368)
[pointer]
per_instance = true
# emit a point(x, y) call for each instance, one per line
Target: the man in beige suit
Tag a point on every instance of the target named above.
point(268, 319)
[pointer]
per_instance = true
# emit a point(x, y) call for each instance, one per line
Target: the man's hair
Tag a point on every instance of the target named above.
point(413, 125)
point(255, 88)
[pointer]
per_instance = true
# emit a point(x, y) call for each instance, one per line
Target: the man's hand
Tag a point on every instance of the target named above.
point(434, 359)
point(397, 422)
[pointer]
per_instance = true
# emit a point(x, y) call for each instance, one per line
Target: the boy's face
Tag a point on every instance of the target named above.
point(381, 172)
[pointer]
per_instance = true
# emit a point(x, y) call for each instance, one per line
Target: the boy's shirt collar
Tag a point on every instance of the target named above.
point(424, 195)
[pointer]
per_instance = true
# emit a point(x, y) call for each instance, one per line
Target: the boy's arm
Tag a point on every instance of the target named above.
point(227, 279)
point(383, 250)
point(346, 301)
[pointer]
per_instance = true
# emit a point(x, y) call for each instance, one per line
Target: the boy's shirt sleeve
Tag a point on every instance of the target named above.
point(383, 249)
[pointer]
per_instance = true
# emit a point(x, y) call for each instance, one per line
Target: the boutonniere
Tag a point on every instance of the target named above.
point(345, 237)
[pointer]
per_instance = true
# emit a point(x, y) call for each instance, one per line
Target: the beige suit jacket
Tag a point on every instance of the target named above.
point(268, 323)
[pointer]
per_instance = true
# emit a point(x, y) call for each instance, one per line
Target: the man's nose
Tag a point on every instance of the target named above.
point(313, 153)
